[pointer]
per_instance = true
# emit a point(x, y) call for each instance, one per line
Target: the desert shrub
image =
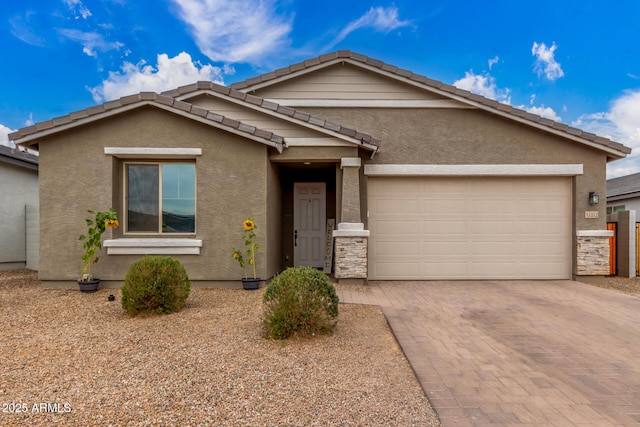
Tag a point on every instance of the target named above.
point(155, 285)
point(299, 301)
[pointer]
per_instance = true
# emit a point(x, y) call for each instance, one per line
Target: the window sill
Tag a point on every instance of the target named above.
point(153, 246)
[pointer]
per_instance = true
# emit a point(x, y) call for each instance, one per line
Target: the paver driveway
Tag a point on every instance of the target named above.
point(552, 353)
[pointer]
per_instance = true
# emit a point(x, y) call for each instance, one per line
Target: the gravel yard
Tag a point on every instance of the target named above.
point(630, 286)
point(69, 358)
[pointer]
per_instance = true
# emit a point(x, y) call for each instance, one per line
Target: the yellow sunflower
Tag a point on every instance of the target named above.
point(248, 224)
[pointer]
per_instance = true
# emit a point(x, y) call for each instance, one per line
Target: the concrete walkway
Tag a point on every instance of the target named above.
point(522, 353)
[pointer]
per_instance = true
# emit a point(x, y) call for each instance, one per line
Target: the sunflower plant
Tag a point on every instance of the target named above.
point(248, 236)
point(92, 240)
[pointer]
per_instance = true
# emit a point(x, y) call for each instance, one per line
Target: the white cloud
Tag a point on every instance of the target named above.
point(91, 42)
point(4, 136)
point(78, 8)
point(493, 61)
point(169, 73)
point(543, 111)
point(545, 61)
point(382, 19)
point(21, 29)
point(235, 31)
point(622, 124)
point(485, 85)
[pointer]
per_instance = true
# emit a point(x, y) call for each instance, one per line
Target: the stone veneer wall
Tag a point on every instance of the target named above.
point(592, 256)
point(350, 258)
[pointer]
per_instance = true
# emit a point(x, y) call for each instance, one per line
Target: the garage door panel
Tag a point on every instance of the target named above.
point(444, 268)
point(491, 268)
point(395, 248)
point(391, 205)
point(470, 228)
point(448, 248)
point(533, 249)
point(552, 227)
point(502, 249)
point(491, 227)
point(442, 227)
point(440, 207)
point(397, 227)
point(398, 270)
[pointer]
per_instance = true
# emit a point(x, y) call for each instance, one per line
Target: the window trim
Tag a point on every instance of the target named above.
point(159, 163)
point(153, 246)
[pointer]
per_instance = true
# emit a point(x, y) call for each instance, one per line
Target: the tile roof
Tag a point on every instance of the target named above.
point(627, 184)
point(147, 98)
point(19, 157)
point(171, 99)
point(430, 84)
point(269, 105)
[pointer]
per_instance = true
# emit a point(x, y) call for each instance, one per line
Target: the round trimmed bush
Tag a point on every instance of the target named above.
point(155, 285)
point(299, 301)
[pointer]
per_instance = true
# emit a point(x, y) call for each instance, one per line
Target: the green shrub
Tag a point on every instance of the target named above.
point(155, 285)
point(300, 301)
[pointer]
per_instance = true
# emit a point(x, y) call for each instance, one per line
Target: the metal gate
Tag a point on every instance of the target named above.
point(613, 248)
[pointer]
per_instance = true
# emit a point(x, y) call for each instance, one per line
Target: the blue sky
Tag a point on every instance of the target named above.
point(577, 62)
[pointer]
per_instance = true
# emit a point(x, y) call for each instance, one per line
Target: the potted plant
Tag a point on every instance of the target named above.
point(92, 244)
point(248, 236)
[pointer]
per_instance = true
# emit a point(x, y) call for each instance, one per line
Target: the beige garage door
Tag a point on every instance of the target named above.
point(434, 228)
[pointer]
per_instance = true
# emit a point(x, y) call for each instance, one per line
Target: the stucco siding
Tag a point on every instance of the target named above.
point(18, 187)
point(273, 250)
point(344, 81)
point(631, 204)
point(76, 176)
point(454, 136)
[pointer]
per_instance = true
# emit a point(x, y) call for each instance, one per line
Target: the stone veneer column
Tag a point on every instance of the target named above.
point(350, 237)
point(592, 252)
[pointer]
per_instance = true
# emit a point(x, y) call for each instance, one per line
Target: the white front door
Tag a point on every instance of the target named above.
point(309, 222)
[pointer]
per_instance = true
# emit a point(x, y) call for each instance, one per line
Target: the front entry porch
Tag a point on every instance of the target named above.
point(313, 195)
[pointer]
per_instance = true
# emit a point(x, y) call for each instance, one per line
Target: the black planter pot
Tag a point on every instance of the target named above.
point(250, 284)
point(89, 286)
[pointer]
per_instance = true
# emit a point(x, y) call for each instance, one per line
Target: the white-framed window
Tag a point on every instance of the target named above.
point(160, 197)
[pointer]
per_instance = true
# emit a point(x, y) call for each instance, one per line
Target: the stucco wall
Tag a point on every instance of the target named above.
point(76, 176)
point(460, 136)
point(631, 204)
point(18, 187)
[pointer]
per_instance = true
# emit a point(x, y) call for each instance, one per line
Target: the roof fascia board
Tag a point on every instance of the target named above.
point(474, 170)
point(17, 162)
point(275, 114)
point(86, 120)
point(624, 196)
point(617, 154)
point(373, 103)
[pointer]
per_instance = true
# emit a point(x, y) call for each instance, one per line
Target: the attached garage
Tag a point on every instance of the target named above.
point(456, 228)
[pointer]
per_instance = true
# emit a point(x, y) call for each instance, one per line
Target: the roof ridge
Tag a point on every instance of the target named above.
point(431, 84)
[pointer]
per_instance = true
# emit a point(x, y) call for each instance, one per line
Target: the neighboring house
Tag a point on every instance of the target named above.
point(424, 180)
point(18, 189)
point(623, 193)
